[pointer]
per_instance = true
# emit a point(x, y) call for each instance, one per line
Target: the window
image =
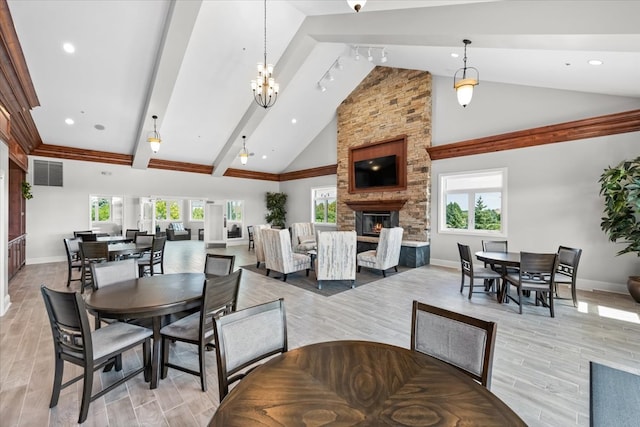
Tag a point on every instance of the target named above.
point(167, 210)
point(196, 209)
point(100, 209)
point(473, 202)
point(323, 205)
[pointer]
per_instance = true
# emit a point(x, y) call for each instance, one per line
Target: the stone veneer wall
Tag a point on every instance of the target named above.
point(388, 103)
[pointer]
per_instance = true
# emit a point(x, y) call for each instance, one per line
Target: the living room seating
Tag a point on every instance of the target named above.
point(279, 256)
point(336, 256)
point(387, 254)
point(177, 231)
point(303, 237)
point(258, 244)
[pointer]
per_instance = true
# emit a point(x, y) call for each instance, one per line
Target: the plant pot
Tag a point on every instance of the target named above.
point(633, 284)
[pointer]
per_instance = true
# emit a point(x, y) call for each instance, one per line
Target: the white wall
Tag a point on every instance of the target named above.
point(54, 212)
point(5, 301)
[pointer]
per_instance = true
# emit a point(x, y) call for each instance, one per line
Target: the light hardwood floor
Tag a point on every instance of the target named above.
point(541, 365)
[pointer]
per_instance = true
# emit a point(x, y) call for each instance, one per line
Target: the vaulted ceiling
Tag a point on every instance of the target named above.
point(191, 62)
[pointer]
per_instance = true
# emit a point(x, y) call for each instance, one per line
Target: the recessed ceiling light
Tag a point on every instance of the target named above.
point(69, 48)
point(294, 121)
point(595, 62)
point(454, 55)
point(264, 156)
point(99, 126)
point(69, 121)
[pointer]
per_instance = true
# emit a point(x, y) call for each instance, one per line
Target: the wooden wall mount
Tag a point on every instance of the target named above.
point(396, 146)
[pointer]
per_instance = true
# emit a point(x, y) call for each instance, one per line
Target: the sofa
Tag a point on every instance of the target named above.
point(176, 231)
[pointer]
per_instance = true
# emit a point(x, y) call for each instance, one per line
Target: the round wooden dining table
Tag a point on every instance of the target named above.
point(152, 297)
point(119, 249)
point(360, 383)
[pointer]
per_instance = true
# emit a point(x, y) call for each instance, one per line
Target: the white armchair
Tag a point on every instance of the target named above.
point(279, 256)
point(336, 259)
point(387, 254)
point(257, 242)
point(303, 237)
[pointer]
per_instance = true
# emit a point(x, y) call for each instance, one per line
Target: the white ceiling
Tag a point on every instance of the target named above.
point(190, 63)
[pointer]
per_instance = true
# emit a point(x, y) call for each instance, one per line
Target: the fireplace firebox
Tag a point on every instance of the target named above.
point(369, 223)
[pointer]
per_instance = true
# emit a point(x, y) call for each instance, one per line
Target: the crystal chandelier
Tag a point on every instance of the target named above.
point(264, 87)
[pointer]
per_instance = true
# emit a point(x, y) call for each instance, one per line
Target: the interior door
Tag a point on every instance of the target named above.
point(215, 224)
point(146, 217)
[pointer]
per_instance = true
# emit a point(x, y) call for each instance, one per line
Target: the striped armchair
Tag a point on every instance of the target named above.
point(387, 254)
point(336, 258)
point(279, 256)
point(257, 242)
point(303, 237)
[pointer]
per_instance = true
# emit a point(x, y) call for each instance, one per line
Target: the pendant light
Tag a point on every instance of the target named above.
point(464, 85)
point(244, 154)
point(264, 87)
point(356, 4)
point(154, 139)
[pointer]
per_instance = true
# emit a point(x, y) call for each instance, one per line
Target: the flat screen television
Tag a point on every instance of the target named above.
point(376, 172)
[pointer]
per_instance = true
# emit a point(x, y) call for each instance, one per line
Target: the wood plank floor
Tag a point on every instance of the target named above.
point(541, 365)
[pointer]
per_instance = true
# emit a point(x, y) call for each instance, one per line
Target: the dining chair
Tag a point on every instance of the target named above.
point(130, 233)
point(462, 341)
point(218, 265)
point(79, 232)
point(88, 237)
point(252, 243)
point(245, 337)
point(74, 342)
point(148, 261)
point(536, 274)
point(107, 273)
point(497, 246)
point(386, 255)
point(614, 396)
point(219, 297)
point(91, 252)
point(567, 270)
point(490, 276)
point(72, 248)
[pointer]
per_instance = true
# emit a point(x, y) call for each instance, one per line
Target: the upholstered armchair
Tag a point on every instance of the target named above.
point(336, 259)
point(279, 256)
point(387, 254)
point(303, 237)
point(257, 242)
point(176, 231)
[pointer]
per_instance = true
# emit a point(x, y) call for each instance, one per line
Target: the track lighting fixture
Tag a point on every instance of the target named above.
point(329, 75)
point(464, 85)
point(369, 57)
point(383, 56)
point(371, 52)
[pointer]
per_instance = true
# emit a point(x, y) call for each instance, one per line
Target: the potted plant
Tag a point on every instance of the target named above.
point(26, 190)
point(620, 186)
point(277, 213)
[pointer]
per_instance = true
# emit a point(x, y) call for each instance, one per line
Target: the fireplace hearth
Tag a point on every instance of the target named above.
point(369, 223)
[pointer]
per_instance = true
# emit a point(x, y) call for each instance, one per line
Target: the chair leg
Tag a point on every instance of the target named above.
point(520, 298)
point(165, 358)
point(359, 267)
point(268, 271)
point(551, 304)
point(258, 264)
point(307, 272)
point(462, 282)
point(384, 274)
point(203, 372)
point(319, 284)
point(69, 276)
point(470, 287)
point(284, 277)
point(395, 268)
point(87, 386)
point(353, 284)
point(57, 382)
point(146, 355)
point(573, 295)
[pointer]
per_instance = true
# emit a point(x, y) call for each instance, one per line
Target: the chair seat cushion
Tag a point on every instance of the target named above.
point(187, 329)
point(485, 273)
point(116, 336)
point(367, 259)
point(300, 261)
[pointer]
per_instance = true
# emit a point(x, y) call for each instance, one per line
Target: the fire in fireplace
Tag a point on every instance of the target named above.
point(370, 223)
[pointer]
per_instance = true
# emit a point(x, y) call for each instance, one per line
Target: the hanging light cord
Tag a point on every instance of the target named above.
point(464, 60)
point(265, 33)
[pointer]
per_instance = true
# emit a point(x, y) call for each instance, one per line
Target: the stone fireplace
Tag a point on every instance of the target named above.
point(369, 223)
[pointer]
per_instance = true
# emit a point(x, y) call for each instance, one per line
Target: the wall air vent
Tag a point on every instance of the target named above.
point(47, 173)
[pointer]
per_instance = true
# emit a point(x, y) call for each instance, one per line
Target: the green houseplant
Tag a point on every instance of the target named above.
point(26, 190)
point(620, 187)
point(277, 213)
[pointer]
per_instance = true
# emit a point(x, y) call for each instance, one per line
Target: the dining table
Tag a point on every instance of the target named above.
point(503, 260)
point(154, 297)
point(118, 250)
point(360, 383)
point(113, 239)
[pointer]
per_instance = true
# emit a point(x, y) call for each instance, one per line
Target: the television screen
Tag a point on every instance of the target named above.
point(377, 172)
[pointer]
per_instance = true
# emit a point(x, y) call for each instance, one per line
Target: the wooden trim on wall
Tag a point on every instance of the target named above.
point(180, 166)
point(243, 173)
point(71, 153)
point(309, 173)
point(611, 124)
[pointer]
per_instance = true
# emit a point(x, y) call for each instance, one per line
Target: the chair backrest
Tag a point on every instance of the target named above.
point(247, 336)
point(495, 246)
point(88, 237)
point(219, 297)
point(144, 239)
point(157, 247)
point(535, 267)
point(69, 324)
point(462, 341)
point(277, 250)
point(303, 236)
point(567, 263)
point(257, 239)
point(250, 231)
point(131, 233)
point(78, 233)
point(466, 263)
point(336, 255)
point(72, 247)
point(614, 396)
point(389, 245)
point(219, 265)
point(94, 251)
point(108, 273)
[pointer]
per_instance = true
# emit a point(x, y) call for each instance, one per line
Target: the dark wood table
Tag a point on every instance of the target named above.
point(360, 383)
point(113, 239)
point(117, 250)
point(504, 260)
point(152, 297)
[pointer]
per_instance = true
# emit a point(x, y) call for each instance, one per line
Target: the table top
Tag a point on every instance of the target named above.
point(119, 249)
point(113, 239)
point(148, 296)
point(511, 259)
point(363, 383)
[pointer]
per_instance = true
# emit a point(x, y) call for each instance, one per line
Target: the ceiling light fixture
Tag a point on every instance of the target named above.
point(69, 121)
point(265, 89)
point(383, 56)
point(68, 47)
point(595, 62)
point(328, 75)
point(244, 154)
point(464, 85)
point(357, 54)
point(356, 4)
point(371, 52)
point(369, 56)
point(154, 139)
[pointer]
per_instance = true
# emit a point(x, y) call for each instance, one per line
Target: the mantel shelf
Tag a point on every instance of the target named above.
point(372, 205)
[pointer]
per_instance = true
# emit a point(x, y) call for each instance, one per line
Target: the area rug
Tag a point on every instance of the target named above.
point(329, 287)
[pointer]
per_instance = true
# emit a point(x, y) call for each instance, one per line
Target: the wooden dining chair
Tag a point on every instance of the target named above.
point(74, 342)
point(131, 233)
point(108, 273)
point(72, 248)
point(567, 270)
point(464, 342)
point(219, 297)
point(218, 265)
point(148, 262)
point(91, 252)
point(252, 244)
point(536, 274)
point(246, 337)
point(491, 277)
